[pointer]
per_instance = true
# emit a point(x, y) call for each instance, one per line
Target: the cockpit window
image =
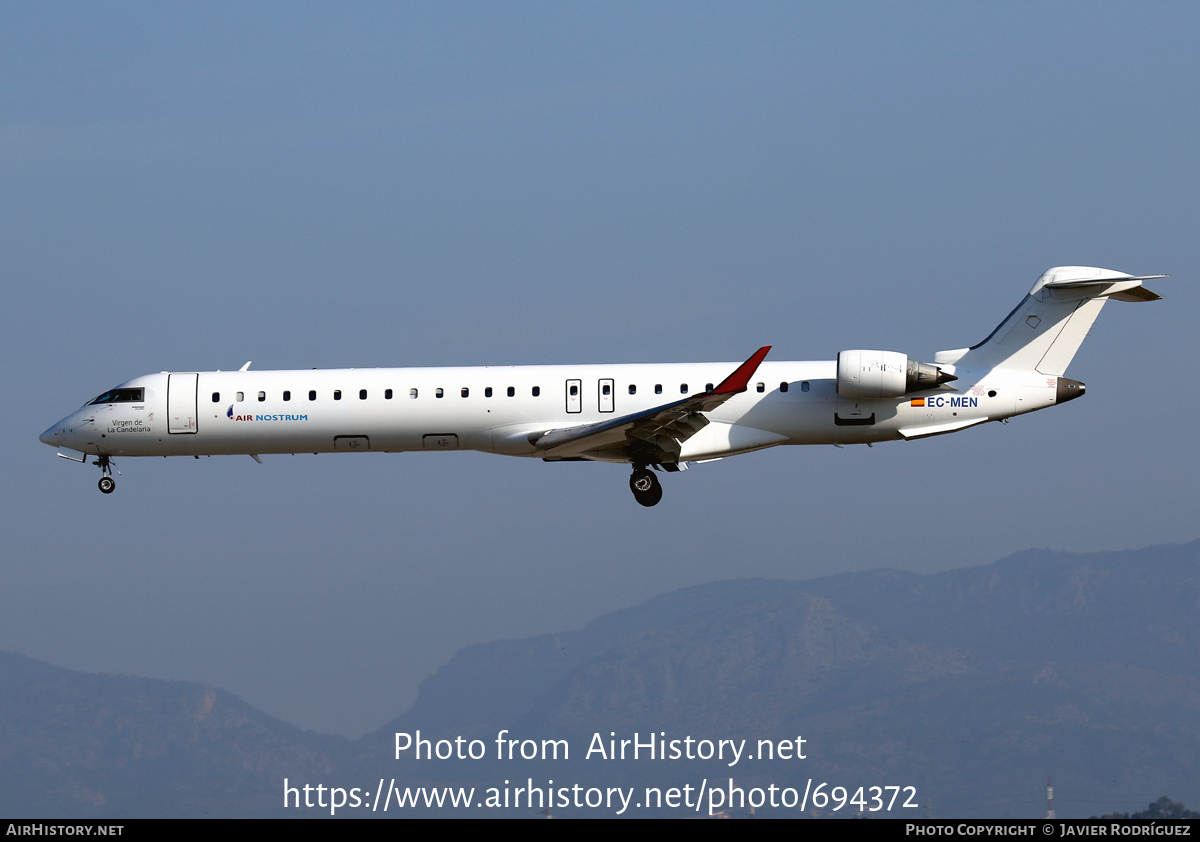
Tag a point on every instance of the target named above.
point(120, 396)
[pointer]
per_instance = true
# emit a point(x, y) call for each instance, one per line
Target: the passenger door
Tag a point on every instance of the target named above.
point(181, 403)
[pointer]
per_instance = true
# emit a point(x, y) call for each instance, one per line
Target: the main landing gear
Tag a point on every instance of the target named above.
point(645, 487)
point(107, 483)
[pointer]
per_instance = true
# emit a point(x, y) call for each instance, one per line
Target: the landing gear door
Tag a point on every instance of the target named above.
point(574, 396)
point(181, 403)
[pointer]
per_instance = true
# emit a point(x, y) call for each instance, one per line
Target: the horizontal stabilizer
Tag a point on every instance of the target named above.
point(1069, 276)
point(1135, 295)
point(1067, 282)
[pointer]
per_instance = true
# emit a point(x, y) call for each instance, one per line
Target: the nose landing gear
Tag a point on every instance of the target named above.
point(645, 487)
point(107, 484)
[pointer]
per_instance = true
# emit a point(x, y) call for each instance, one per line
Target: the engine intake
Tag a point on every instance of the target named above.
point(867, 375)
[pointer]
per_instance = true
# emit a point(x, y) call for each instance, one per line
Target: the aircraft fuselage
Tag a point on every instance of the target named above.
point(494, 409)
point(650, 416)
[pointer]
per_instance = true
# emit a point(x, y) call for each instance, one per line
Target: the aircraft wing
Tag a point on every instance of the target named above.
point(652, 436)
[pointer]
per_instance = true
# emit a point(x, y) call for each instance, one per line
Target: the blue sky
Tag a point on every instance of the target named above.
point(190, 187)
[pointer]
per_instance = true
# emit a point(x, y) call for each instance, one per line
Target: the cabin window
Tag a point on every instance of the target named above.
point(683, 388)
point(761, 387)
point(312, 394)
point(574, 390)
point(783, 387)
point(287, 396)
point(511, 391)
point(412, 393)
point(803, 385)
point(120, 396)
point(216, 397)
point(537, 390)
point(387, 394)
point(658, 388)
point(439, 393)
point(362, 394)
point(466, 392)
point(241, 396)
point(606, 390)
point(632, 389)
point(262, 396)
point(337, 394)
point(487, 393)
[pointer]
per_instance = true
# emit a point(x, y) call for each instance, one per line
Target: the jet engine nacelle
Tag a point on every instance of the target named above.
point(867, 375)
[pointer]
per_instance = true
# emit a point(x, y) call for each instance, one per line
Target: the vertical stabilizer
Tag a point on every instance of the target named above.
point(1044, 331)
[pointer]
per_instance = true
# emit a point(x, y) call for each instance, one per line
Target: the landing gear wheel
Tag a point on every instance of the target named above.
point(645, 487)
point(107, 483)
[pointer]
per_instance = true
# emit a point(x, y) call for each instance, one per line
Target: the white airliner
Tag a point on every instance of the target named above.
point(648, 416)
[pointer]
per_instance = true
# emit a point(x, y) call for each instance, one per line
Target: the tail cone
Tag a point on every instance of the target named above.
point(1068, 390)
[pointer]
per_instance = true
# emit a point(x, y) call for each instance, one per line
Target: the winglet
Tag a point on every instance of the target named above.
point(738, 381)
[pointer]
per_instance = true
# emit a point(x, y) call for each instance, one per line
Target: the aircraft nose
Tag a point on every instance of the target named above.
point(50, 437)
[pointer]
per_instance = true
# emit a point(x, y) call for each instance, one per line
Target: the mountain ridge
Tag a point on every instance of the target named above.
point(971, 684)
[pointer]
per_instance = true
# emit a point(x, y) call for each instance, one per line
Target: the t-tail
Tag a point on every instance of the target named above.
point(1044, 331)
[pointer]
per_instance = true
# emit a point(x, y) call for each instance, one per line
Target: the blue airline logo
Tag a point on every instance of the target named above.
point(229, 414)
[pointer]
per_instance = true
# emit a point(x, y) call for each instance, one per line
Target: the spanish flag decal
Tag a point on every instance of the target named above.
point(917, 402)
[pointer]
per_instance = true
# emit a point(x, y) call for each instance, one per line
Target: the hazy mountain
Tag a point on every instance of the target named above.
point(82, 745)
point(972, 685)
